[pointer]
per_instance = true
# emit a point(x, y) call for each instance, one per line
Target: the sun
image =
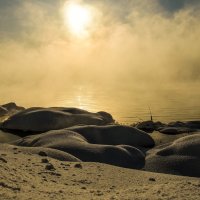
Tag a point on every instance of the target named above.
point(78, 18)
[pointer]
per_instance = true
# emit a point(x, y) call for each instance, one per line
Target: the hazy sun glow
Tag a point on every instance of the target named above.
point(78, 18)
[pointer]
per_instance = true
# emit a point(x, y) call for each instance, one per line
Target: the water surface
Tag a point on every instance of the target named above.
point(127, 103)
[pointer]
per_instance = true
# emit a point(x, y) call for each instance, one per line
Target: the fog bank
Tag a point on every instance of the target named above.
point(131, 44)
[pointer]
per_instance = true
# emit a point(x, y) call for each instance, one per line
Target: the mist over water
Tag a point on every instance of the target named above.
point(127, 105)
point(138, 54)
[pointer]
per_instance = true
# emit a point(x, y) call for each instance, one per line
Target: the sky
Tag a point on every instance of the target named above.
point(130, 42)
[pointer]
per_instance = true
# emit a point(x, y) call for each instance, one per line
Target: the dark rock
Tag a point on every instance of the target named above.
point(180, 157)
point(114, 135)
point(3, 111)
point(175, 130)
point(50, 167)
point(176, 124)
point(3, 160)
point(107, 116)
point(96, 144)
point(44, 119)
point(42, 153)
point(193, 124)
point(147, 126)
point(44, 160)
point(12, 106)
point(78, 165)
